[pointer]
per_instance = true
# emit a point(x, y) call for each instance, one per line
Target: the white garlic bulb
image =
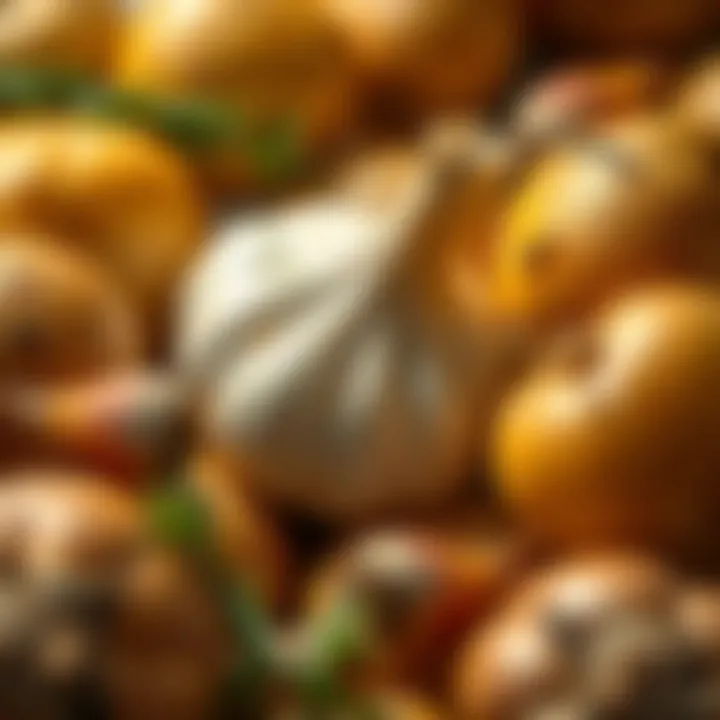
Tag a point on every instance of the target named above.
point(327, 361)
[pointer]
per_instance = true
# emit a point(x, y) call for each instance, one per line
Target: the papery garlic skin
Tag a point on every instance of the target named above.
point(324, 357)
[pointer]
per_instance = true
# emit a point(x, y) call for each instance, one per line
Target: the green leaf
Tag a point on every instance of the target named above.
point(180, 520)
point(179, 517)
point(195, 125)
point(338, 639)
point(277, 149)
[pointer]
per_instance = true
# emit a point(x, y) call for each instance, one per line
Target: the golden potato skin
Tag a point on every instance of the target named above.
point(276, 60)
point(612, 210)
point(612, 440)
point(628, 26)
point(431, 56)
point(116, 194)
point(71, 34)
point(581, 638)
point(60, 317)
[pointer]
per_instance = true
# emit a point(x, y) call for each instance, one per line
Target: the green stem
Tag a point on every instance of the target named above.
point(181, 520)
point(340, 639)
point(196, 126)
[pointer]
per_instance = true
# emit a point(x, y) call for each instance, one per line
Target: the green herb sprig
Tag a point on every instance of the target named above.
point(179, 518)
point(272, 149)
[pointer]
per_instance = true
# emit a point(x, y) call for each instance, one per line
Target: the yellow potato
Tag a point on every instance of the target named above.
point(60, 316)
point(115, 194)
point(273, 61)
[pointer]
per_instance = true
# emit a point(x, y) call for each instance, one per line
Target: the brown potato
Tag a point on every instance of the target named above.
point(605, 636)
point(116, 194)
point(612, 441)
point(431, 56)
point(271, 60)
point(74, 34)
point(60, 317)
point(615, 209)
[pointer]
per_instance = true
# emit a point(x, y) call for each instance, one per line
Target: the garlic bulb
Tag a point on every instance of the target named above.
point(332, 360)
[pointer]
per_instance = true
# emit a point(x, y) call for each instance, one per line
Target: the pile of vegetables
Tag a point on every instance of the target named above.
point(359, 360)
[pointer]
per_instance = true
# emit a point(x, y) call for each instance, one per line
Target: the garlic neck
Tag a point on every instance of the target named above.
point(441, 232)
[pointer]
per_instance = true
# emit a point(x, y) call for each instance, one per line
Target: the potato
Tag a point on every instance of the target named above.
point(611, 210)
point(275, 62)
point(116, 194)
point(612, 440)
point(432, 56)
point(608, 636)
point(60, 317)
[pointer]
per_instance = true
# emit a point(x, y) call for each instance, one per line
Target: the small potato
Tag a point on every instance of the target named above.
point(612, 440)
point(274, 62)
point(115, 194)
point(614, 209)
point(60, 317)
point(432, 56)
point(607, 636)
